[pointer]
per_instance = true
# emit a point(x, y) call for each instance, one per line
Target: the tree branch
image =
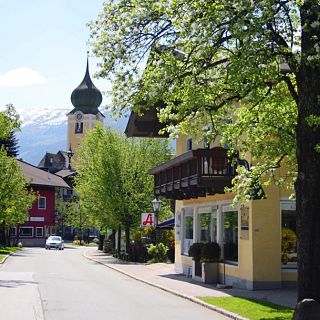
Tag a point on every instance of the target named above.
point(291, 88)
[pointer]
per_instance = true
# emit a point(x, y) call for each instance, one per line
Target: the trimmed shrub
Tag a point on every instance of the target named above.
point(210, 252)
point(195, 250)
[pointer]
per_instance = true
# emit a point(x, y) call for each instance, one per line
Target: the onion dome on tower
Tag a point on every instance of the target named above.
point(86, 97)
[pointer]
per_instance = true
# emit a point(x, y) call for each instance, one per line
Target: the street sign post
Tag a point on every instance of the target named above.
point(147, 219)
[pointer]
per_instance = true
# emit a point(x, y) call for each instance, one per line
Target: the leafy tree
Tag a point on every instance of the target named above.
point(15, 198)
point(113, 182)
point(77, 217)
point(11, 122)
point(253, 65)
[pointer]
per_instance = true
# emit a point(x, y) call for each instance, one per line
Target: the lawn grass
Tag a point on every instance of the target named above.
point(8, 250)
point(4, 251)
point(84, 244)
point(251, 308)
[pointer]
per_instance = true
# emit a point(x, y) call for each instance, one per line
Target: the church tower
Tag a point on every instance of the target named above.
point(86, 99)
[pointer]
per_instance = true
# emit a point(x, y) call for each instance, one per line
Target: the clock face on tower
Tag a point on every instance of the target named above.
point(79, 116)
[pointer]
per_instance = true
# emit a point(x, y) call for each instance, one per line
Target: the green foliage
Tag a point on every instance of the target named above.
point(252, 309)
point(9, 250)
point(288, 245)
point(72, 213)
point(195, 250)
point(217, 63)
point(15, 198)
point(10, 144)
point(9, 124)
point(158, 252)
point(113, 182)
point(9, 121)
point(210, 252)
point(4, 251)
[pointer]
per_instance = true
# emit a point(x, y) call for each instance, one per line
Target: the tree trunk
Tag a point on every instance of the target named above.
point(308, 180)
point(3, 234)
point(119, 240)
point(17, 235)
point(127, 231)
point(113, 240)
point(101, 240)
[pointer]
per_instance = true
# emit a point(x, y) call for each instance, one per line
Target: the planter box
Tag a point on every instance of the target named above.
point(210, 272)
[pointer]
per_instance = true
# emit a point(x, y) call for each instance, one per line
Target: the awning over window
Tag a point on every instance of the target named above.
point(166, 225)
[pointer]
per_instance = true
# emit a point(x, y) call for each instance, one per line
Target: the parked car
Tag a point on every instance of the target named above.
point(54, 242)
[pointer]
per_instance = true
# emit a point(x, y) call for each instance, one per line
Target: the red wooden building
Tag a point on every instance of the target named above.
point(41, 218)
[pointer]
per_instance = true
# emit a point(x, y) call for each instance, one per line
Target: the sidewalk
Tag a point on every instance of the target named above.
point(163, 276)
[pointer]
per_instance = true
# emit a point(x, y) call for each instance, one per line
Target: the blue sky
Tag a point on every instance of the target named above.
point(43, 46)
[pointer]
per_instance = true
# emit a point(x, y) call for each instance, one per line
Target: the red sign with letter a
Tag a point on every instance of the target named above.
point(147, 219)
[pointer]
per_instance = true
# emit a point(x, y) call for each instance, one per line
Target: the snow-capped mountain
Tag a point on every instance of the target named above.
point(45, 130)
point(43, 117)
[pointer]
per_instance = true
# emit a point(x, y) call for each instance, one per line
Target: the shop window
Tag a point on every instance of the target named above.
point(188, 233)
point(230, 234)
point(42, 202)
point(26, 231)
point(205, 226)
point(39, 232)
point(208, 227)
point(288, 238)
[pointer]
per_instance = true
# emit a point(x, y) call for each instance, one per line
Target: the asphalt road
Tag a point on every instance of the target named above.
point(39, 284)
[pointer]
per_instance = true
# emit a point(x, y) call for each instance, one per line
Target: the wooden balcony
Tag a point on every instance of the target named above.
point(194, 174)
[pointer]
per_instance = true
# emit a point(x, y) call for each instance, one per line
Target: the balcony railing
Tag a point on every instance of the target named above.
point(194, 174)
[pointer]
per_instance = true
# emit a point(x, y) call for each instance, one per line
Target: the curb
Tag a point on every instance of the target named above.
point(176, 293)
point(4, 259)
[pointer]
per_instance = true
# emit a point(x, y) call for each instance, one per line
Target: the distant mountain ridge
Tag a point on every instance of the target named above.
point(45, 130)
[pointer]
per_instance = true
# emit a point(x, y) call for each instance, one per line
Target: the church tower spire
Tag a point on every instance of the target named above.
point(86, 99)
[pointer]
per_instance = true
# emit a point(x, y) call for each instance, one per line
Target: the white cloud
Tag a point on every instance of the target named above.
point(21, 77)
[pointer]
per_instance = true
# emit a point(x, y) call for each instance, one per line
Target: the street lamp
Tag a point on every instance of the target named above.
point(156, 204)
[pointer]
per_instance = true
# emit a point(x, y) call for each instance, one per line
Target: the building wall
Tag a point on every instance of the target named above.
point(88, 120)
point(259, 244)
point(38, 219)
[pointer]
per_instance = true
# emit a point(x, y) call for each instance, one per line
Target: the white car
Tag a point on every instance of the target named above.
point(54, 242)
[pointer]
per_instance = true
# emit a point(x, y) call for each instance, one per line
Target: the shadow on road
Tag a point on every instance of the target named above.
point(15, 283)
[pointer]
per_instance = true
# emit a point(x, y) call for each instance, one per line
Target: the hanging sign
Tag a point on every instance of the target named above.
point(147, 219)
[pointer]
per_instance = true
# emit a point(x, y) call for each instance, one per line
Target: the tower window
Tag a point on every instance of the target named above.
point(79, 127)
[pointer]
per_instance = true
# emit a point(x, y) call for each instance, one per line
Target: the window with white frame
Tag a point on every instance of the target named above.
point(207, 225)
point(42, 201)
point(187, 232)
point(26, 231)
point(39, 231)
point(230, 234)
point(288, 235)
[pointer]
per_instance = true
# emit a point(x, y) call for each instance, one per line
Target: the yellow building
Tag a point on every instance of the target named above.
point(257, 239)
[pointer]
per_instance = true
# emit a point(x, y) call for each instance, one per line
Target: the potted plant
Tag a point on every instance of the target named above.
point(210, 257)
point(195, 252)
